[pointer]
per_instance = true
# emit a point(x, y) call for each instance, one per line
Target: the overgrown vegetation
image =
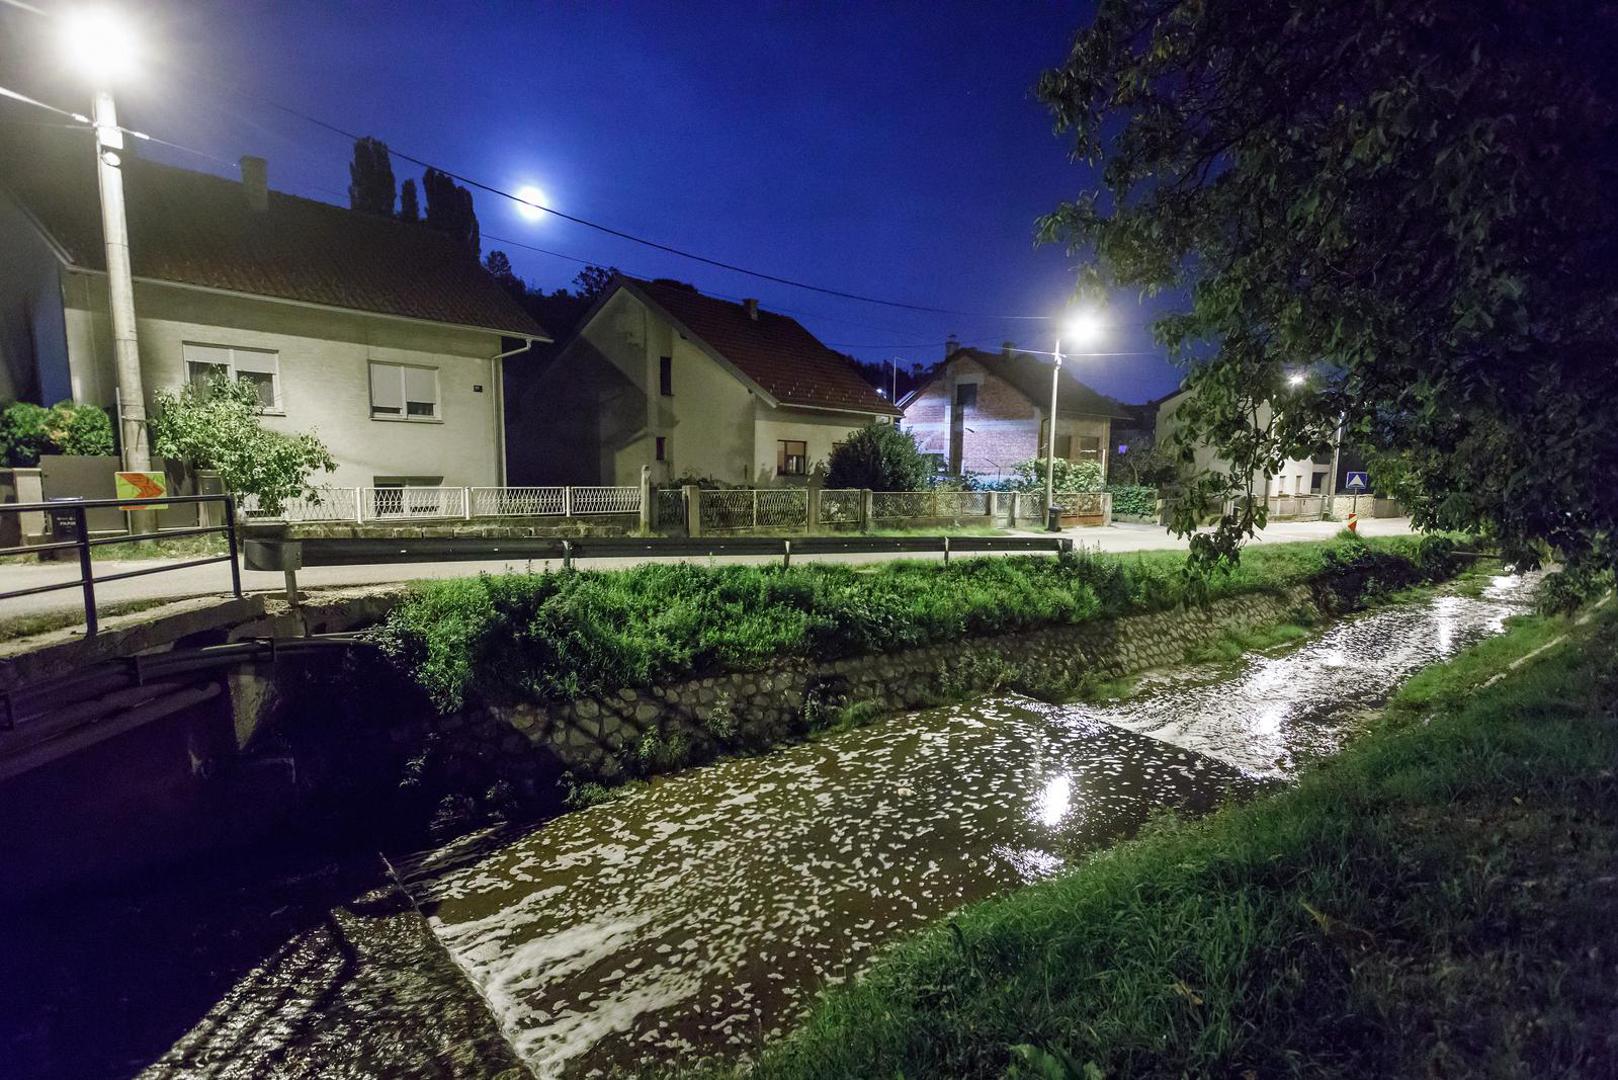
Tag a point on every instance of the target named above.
point(560, 635)
point(1029, 475)
point(879, 456)
point(219, 426)
point(29, 431)
point(1133, 500)
point(1436, 901)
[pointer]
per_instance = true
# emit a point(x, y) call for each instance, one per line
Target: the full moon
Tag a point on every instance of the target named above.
point(530, 194)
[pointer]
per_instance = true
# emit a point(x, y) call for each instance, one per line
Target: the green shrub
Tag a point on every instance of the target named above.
point(1134, 500)
point(1029, 475)
point(879, 456)
point(29, 431)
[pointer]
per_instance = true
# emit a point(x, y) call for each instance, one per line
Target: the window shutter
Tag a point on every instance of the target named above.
point(387, 389)
point(421, 386)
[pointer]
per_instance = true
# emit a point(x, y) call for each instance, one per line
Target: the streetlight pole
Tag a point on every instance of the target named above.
point(120, 286)
point(1053, 520)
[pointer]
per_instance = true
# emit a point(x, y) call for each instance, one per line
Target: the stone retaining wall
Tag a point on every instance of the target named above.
point(639, 730)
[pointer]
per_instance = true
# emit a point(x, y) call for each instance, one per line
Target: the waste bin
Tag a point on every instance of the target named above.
point(64, 525)
point(1053, 518)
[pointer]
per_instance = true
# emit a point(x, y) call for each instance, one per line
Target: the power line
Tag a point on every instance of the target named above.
point(667, 248)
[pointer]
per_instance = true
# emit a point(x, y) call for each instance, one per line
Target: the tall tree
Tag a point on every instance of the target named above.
point(370, 178)
point(409, 206)
point(1408, 199)
point(449, 208)
point(593, 280)
point(498, 264)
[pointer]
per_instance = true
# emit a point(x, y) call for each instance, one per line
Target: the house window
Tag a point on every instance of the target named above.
point(966, 395)
point(1064, 446)
point(665, 375)
point(791, 457)
point(662, 448)
point(259, 367)
point(1089, 446)
point(404, 392)
point(1316, 482)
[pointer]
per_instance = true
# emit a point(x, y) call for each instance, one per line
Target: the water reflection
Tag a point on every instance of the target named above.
point(699, 917)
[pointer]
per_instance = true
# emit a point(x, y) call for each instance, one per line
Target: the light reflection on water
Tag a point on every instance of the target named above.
point(700, 916)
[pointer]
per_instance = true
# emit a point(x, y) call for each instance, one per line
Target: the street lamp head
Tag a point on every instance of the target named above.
point(99, 43)
point(1083, 327)
point(1296, 379)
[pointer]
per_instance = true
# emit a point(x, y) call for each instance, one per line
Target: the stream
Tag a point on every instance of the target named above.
point(699, 917)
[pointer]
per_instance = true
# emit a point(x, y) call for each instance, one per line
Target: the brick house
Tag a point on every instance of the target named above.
point(982, 412)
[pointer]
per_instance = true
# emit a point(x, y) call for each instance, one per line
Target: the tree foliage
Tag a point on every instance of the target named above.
point(881, 457)
point(1029, 475)
point(498, 264)
point(409, 202)
point(218, 426)
point(29, 431)
point(1409, 198)
point(450, 210)
point(370, 178)
point(593, 280)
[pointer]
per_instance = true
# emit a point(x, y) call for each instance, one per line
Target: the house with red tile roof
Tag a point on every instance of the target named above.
point(982, 412)
point(384, 338)
point(661, 375)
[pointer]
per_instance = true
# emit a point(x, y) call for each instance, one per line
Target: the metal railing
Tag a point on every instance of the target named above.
point(75, 512)
point(367, 504)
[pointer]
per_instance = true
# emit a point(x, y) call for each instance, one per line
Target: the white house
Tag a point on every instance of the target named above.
point(1301, 476)
point(386, 339)
point(657, 374)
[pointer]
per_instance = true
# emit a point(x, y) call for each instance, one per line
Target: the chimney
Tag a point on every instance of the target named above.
point(952, 344)
point(1006, 347)
point(752, 308)
point(255, 182)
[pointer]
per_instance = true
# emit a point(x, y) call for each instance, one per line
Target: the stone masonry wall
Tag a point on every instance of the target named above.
point(594, 737)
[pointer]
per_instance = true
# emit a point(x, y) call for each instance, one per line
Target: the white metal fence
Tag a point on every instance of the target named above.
point(362, 504)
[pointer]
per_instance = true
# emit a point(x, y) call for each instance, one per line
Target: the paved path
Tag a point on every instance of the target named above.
point(207, 580)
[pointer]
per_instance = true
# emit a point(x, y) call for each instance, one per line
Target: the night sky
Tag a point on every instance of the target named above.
point(889, 149)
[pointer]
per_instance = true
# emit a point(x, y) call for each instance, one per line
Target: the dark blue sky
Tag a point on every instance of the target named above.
point(889, 149)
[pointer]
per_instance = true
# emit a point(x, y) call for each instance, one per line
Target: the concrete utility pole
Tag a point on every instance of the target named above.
point(120, 286)
point(1053, 520)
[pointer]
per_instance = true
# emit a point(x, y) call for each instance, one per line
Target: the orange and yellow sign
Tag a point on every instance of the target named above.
point(141, 485)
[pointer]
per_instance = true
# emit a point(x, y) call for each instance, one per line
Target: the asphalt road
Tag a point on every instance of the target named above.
point(215, 579)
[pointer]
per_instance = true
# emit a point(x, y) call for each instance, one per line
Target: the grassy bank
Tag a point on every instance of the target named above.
point(1434, 902)
point(563, 634)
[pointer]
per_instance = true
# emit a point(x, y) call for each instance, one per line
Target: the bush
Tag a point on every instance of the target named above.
point(217, 426)
point(1070, 477)
point(1133, 499)
point(879, 456)
point(28, 431)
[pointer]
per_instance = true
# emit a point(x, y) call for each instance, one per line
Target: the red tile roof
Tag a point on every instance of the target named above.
point(195, 229)
point(774, 351)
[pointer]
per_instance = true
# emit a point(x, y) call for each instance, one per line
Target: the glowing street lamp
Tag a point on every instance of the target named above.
point(1296, 379)
point(1083, 327)
point(101, 46)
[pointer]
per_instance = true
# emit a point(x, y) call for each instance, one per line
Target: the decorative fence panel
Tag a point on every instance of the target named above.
point(962, 504)
point(729, 510)
point(381, 503)
point(899, 505)
point(518, 501)
point(326, 504)
point(604, 500)
point(782, 508)
point(841, 506)
point(1083, 503)
point(670, 508)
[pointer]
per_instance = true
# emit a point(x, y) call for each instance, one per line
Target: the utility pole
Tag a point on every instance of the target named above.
point(1053, 520)
point(120, 286)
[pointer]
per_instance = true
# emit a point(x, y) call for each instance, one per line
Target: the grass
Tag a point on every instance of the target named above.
point(1436, 901)
point(180, 547)
point(1232, 644)
point(561, 635)
point(45, 622)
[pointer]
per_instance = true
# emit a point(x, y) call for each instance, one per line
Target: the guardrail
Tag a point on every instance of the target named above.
point(290, 556)
point(73, 513)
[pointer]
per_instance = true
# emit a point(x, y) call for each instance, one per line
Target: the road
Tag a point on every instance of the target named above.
point(215, 579)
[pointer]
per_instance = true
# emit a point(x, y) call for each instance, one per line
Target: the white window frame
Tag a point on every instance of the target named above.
point(277, 408)
point(403, 415)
